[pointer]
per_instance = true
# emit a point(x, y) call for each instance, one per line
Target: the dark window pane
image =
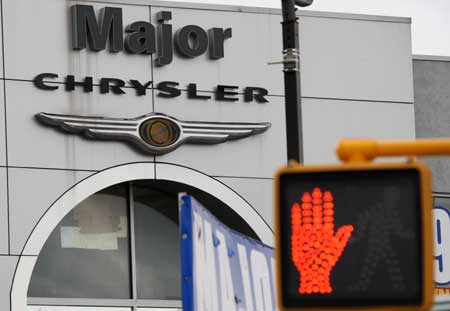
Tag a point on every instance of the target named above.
point(157, 240)
point(87, 254)
point(157, 245)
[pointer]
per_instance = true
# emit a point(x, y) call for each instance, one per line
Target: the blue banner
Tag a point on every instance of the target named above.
point(222, 270)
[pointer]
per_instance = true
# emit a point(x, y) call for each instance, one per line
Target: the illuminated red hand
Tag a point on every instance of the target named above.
point(315, 247)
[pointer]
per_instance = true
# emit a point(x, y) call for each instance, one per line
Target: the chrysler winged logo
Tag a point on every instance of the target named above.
point(154, 133)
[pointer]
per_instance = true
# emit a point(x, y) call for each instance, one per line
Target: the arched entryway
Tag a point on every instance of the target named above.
point(170, 177)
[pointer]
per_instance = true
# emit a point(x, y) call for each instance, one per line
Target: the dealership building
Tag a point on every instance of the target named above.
point(109, 109)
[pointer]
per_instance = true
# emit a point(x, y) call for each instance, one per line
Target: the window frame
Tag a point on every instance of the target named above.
point(132, 302)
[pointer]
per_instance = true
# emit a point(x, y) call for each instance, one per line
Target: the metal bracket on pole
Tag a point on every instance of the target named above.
point(291, 60)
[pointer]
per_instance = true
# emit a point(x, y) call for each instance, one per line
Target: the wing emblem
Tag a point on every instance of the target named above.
point(154, 133)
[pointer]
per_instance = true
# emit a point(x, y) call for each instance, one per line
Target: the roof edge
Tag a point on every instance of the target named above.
point(435, 58)
point(266, 10)
point(354, 16)
point(252, 9)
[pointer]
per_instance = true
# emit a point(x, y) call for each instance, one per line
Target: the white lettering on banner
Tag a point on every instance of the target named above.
point(245, 272)
point(226, 282)
point(261, 281)
point(204, 258)
point(214, 287)
point(442, 246)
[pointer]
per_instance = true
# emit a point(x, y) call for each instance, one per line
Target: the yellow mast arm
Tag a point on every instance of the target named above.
point(362, 150)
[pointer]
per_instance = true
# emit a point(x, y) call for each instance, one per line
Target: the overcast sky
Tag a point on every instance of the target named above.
point(431, 18)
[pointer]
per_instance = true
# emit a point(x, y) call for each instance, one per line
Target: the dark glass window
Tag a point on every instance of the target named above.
point(87, 254)
point(157, 242)
point(90, 253)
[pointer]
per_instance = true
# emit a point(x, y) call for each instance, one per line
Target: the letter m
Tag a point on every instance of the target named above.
point(86, 29)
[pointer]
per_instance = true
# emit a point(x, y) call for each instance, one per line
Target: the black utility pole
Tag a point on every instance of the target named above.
point(291, 62)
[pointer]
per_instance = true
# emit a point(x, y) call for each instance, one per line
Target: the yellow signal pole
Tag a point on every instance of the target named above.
point(364, 150)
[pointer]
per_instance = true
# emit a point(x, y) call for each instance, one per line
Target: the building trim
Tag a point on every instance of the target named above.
point(121, 2)
point(360, 100)
point(437, 194)
point(201, 91)
point(251, 9)
point(98, 303)
point(442, 302)
point(434, 58)
point(353, 16)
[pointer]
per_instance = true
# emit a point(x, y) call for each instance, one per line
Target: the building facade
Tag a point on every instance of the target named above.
point(431, 81)
point(88, 216)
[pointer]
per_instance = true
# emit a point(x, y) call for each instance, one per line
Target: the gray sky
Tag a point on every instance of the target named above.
point(431, 18)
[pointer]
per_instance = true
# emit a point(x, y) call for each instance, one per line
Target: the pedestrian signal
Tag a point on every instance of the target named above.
point(354, 236)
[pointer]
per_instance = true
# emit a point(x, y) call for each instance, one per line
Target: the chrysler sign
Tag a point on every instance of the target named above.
point(153, 133)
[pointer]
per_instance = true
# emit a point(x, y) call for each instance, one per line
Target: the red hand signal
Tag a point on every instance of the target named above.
point(315, 247)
